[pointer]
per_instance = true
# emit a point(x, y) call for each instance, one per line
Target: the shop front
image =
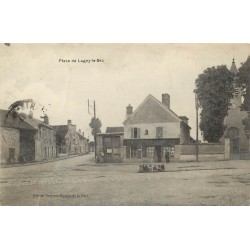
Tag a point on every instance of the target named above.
point(149, 150)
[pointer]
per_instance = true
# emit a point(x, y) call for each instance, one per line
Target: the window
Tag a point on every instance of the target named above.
point(159, 132)
point(135, 152)
point(170, 149)
point(146, 132)
point(150, 152)
point(135, 132)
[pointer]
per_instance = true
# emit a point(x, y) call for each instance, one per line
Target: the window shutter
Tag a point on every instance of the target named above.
point(132, 132)
point(159, 132)
point(138, 133)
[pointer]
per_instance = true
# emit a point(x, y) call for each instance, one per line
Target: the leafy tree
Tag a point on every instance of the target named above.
point(214, 89)
point(243, 81)
point(95, 123)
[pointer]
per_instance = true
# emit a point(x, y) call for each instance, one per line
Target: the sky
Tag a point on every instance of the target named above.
point(125, 74)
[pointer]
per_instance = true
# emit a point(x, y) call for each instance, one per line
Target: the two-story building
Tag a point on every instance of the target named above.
point(25, 139)
point(43, 141)
point(83, 143)
point(67, 138)
point(153, 129)
point(69, 141)
point(13, 143)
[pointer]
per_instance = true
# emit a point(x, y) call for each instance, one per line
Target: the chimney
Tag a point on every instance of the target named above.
point(166, 99)
point(79, 131)
point(129, 111)
point(184, 119)
point(69, 122)
point(83, 134)
point(46, 119)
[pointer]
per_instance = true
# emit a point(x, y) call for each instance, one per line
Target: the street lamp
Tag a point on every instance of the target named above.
point(197, 125)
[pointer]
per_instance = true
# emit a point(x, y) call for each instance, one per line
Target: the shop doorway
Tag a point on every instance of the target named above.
point(158, 153)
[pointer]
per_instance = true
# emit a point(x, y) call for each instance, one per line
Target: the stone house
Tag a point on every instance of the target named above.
point(26, 139)
point(13, 143)
point(69, 141)
point(44, 139)
point(66, 138)
point(153, 129)
point(83, 143)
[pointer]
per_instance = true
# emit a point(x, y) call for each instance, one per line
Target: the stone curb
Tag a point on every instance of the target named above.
point(39, 162)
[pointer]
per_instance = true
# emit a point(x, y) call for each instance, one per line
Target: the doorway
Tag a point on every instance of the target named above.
point(158, 153)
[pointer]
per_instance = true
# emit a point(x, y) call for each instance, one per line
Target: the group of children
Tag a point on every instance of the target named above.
point(151, 168)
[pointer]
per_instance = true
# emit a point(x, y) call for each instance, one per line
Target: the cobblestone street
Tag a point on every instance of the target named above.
point(78, 181)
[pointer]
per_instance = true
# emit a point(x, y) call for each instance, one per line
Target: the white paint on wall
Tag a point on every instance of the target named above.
point(170, 130)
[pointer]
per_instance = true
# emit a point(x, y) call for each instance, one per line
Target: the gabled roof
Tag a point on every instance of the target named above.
point(152, 110)
point(115, 130)
point(61, 130)
point(81, 136)
point(14, 120)
point(35, 123)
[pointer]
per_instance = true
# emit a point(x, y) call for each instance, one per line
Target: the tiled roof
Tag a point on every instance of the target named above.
point(61, 130)
point(13, 120)
point(81, 136)
point(115, 130)
point(34, 122)
point(152, 110)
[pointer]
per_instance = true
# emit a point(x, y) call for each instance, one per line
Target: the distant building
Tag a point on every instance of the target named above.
point(235, 129)
point(91, 146)
point(69, 141)
point(153, 129)
point(83, 143)
point(111, 144)
point(66, 138)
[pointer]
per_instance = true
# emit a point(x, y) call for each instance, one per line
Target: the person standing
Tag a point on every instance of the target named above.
point(167, 156)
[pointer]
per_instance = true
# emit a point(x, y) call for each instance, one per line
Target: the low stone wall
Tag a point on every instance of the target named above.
point(203, 157)
point(206, 152)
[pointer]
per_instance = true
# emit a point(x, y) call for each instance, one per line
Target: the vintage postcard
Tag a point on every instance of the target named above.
point(124, 124)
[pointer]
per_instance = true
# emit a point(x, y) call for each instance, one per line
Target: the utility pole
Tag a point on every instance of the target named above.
point(94, 108)
point(197, 125)
point(95, 130)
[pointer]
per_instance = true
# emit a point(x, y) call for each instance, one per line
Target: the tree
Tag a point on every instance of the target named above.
point(214, 89)
point(95, 123)
point(243, 81)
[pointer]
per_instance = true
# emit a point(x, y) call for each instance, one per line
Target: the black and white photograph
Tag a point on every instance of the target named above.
point(125, 124)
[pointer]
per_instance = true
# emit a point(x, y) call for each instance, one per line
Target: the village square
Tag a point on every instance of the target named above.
point(152, 158)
